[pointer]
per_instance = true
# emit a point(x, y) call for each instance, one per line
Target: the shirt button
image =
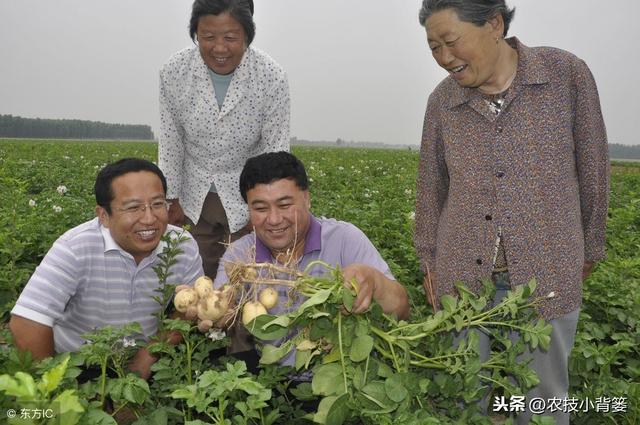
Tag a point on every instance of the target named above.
point(479, 261)
point(500, 174)
point(487, 217)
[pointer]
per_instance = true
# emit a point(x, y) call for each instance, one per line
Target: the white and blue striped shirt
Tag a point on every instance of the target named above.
point(86, 282)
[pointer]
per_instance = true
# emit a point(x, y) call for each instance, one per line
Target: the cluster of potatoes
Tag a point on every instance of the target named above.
point(210, 305)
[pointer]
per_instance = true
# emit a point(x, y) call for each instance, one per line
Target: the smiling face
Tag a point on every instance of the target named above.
point(280, 215)
point(136, 232)
point(468, 52)
point(222, 42)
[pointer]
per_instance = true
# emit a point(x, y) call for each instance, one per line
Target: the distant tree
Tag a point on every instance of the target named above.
point(13, 126)
point(618, 151)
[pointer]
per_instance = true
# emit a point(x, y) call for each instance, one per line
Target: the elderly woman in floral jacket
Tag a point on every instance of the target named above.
point(513, 180)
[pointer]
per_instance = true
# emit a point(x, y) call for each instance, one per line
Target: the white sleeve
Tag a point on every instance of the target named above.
point(53, 283)
point(171, 143)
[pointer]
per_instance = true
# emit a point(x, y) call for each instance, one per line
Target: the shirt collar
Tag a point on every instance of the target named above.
point(531, 70)
point(111, 245)
point(312, 242)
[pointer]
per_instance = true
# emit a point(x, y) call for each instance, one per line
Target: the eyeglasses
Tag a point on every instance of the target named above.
point(156, 207)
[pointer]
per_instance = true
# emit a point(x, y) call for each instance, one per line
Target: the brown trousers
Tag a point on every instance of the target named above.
point(212, 234)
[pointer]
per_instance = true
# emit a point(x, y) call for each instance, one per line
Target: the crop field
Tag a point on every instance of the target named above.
point(46, 188)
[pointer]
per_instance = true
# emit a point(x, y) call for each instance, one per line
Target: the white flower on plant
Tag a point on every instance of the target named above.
point(128, 342)
point(367, 195)
point(411, 215)
point(551, 294)
point(407, 192)
point(341, 168)
point(32, 203)
point(57, 209)
point(62, 189)
point(216, 334)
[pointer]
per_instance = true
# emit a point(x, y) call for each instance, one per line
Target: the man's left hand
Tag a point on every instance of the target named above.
point(141, 363)
point(365, 279)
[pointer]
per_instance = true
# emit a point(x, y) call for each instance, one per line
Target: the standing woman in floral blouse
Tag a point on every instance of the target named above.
point(513, 180)
point(221, 102)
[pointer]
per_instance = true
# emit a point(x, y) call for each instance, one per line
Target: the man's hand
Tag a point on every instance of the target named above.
point(142, 362)
point(176, 214)
point(365, 280)
point(374, 285)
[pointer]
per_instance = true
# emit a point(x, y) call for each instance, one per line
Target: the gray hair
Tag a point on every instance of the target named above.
point(477, 12)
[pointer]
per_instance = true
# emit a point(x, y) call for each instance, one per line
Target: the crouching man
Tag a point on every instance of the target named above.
point(275, 187)
point(100, 273)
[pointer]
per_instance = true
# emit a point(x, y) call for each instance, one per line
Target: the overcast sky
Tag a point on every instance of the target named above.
point(358, 69)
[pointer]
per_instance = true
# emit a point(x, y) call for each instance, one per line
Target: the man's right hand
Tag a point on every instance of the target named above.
point(176, 214)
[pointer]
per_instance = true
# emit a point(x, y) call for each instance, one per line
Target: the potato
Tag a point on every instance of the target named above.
point(268, 298)
point(251, 310)
point(203, 286)
point(212, 308)
point(184, 299)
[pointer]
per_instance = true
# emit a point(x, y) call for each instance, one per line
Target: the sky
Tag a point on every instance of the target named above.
point(359, 70)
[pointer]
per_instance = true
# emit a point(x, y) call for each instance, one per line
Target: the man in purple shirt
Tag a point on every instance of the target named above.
point(275, 187)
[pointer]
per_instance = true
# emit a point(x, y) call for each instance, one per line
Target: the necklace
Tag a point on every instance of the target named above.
point(496, 102)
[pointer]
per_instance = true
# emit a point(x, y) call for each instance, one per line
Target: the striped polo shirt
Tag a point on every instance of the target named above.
point(86, 282)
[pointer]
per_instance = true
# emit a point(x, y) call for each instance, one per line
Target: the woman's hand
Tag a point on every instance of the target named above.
point(176, 214)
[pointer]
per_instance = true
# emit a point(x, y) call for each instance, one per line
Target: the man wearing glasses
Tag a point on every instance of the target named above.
point(100, 273)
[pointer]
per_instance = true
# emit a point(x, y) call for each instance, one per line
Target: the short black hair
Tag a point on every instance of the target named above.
point(477, 12)
point(271, 166)
point(104, 180)
point(240, 10)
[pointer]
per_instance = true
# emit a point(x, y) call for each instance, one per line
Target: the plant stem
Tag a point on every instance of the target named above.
point(344, 370)
point(103, 381)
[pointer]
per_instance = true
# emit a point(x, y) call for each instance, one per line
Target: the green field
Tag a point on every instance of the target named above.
point(374, 189)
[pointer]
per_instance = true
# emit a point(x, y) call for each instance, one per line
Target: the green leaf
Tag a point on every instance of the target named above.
point(361, 348)
point(323, 409)
point(302, 357)
point(320, 328)
point(375, 392)
point(327, 380)
point(51, 378)
point(347, 300)
point(261, 327)
point(135, 390)
point(67, 407)
point(448, 303)
point(384, 371)
point(394, 388)
point(332, 356)
point(318, 298)
point(282, 321)
point(271, 354)
point(338, 411)
point(22, 387)
point(97, 417)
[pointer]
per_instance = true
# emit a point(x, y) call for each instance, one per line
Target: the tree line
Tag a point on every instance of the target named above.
point(39, 128)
